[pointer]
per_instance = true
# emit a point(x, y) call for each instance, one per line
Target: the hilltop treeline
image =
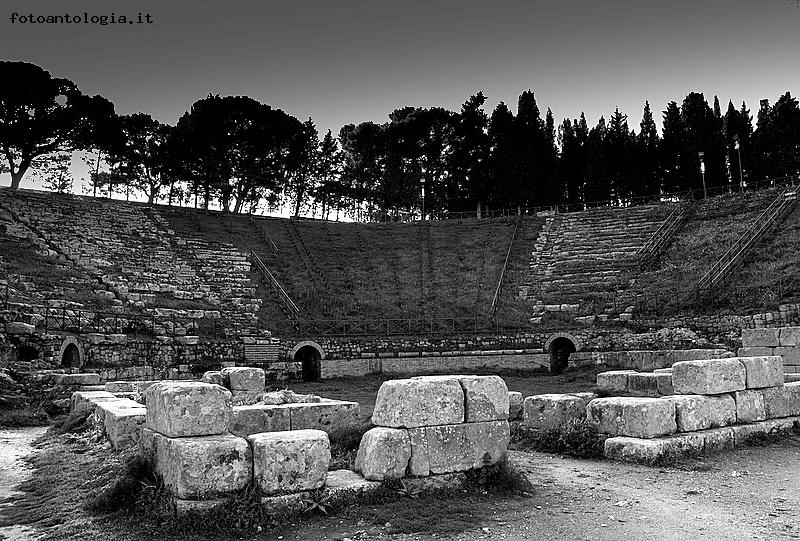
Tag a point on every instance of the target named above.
point(241, 154)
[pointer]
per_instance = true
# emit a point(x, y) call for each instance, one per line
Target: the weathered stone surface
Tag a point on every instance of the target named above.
point(240, 378)
point(553, 410)
point(782, 401)
point(785, 424)
point(292, 461)
point(652, 451)
point(633, 416)
point(455, 448)
point(213, 376)
point(123, 425)
point(763, 371)
point(749, 406)
point(761, 337)
point(698, 412)
point(742, 434)
point(330, 416)
point(664, 383)
point(384, 453)
point(716, 440)
point(714, 376)
point(339, 482)
point(789, 336)
point(120, 387)
point(485, 398)
point(643, 384)
point(77, 379)
point(104, 406)
point(17, 327)
point(614, 380)
point(246, 398)
point(515, 407)
point(791, 378)
point(427, 401)
point(755, 352)
point(178, 409)
point(202, 467)
point(254, 419)
point(83, 400)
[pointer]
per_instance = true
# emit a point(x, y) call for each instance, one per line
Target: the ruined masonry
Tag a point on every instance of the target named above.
point(435, 425)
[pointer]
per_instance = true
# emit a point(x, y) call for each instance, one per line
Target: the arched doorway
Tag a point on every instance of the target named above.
point(310, 359)
point(560, 346)
point(71, 358)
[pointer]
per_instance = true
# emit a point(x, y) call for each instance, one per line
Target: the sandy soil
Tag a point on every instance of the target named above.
point(14, 446)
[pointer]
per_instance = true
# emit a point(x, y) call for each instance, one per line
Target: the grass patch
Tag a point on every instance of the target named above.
point(577, 437)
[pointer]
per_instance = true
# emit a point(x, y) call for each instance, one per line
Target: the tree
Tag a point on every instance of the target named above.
point(737, 127)
point(502, 156)
point(529, 140)
point(702, 133)
point(647, 163)
point(618, 143)
point(144, 160)
point(54, 173)
point(329, 191)
point(41, 115)
point(777, 138)
point(673, 150)
point(598, 183)
point(468, 161)
point(306, 152)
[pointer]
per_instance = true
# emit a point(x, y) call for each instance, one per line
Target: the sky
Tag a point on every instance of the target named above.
point(351, 61)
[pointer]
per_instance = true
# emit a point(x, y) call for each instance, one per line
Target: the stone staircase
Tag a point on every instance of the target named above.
point(582, 260)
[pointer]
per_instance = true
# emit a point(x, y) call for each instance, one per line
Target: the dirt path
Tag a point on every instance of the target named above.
point(14, 446)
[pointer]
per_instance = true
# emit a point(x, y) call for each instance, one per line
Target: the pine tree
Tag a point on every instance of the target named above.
point(598, 183)
point(672, 149)
point(647, 143)
point(502, 156)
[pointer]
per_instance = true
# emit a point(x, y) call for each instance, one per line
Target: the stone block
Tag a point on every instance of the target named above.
point(455, 448)
point(546, 411)
point(643, 384)
point(384, 453)
point(120, 387)
point(292, 461)
point(714, 376)
point(104, 406)
point(87, 400)
point(776, 426)
point(213, 376)
point(633, 416)
point(754, 352)
point(698, 412)
point(244, 379)
point(664, 383)
point(791, 378)
point(749, 406)
point(178, 409)
point(331, 416)
point(789, 336)
point(485, 398)
point(77, 379)
point(716, 440)
point(17, 327)
point(123, 425)
point(254, 419)
point(246, 398)
point(515, 408)
point(791, 355)
point(614, 380)
point(763, 371)
point(782, 401)
point(348, 482)
point(427, 401)
point(743, 434)
point(204, 466)
point(762, 337)
point(652, 451)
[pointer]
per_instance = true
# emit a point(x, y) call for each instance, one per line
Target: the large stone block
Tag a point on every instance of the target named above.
point(87, 400)
point(455, 448)
point(716, 440)
point(749, 406)
point(652, 451)
point(515, 407)
point(213, 376)
point(259, 418)
point(545, 411)
point(123, 425)
point(789, 336)
point(202, 467)
point(240, 378)
point(697, 412)
point(428, 401)
point(790, 355)
point(755, 352)
point(330, 416)
point(762, 337)
point(104, 406)
point(644, 384)
point(743, 434)
point(614, 380)
point(714, 376)
point(77, 379)
point(763, 371)
point(292, 461)
point(384, 453)
point(178, 409)
point(485, 398)
point(633, 416)
point(782, 401)
point(120, 387)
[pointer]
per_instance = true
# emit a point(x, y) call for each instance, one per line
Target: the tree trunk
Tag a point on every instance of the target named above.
point(16, 178)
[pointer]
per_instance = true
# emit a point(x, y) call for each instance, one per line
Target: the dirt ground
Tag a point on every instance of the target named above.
point(14, 446)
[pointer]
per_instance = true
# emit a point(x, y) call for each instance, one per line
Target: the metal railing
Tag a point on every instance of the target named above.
point(287, 305)
point(496, 298)
point(404, 327)
point(662, 236)
point(734, 256)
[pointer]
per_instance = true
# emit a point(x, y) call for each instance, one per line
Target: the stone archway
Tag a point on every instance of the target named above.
point(310, 355)
point(560, 346)
point(70, 354)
